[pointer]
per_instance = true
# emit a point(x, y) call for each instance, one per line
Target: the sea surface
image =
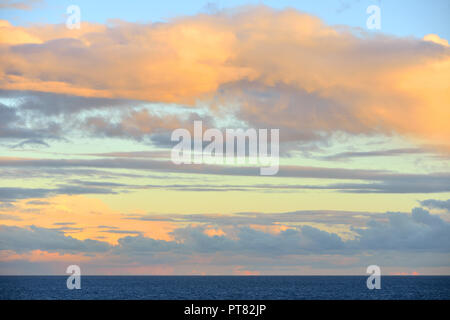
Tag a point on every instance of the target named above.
point(225, 287)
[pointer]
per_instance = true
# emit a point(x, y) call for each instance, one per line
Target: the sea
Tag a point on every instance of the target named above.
point(225, 288)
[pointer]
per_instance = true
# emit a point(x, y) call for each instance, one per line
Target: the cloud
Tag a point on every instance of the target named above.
point(31, 142)
point(29, 112)
point(35, 238)
point(425, 184)
point(254, 66)
point(18, 5)
point(436, 39)
point(12, 194)
point(436, 204)
point(418, 231)
point(49, 172)
point(377, 153)
point(63, 223)
point(329, 217)
point(392, 231)
point(16, 193)
point(282, 69)
point(51, 104)
point(142, 245)
point(138, 123)
point(122, 231)
point(14, 126)
point(395, 184)
point(396, 231)
point(12, 217)
point(377, 181)
point(416, 239)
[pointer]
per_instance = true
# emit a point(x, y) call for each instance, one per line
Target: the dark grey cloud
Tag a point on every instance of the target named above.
point(285, 171)
point(418, 231)
point(45, 114)
point(14, 126)
point(436, 204)
point(98, 183)
point(380, 181)
point(397, 232)
point(35, 116)
point(302, 115)
point(15, 193)
point(432, 185)
point(133, 154)
point(328, 217)
point(143, 124)
point(34, 238)
point(67, 229)
point(71, 190)
point(12, 194)
point(51, 104)
point(143, 245)
point(67, 173)
point(425, 184)
point(32, 143)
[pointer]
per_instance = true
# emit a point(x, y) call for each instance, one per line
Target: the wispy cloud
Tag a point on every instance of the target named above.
point(19, 4)
point(377, 181)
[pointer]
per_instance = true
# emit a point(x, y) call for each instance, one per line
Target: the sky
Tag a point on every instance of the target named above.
point(87, 114)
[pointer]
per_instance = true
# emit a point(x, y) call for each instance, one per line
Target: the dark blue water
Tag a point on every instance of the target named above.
point(224, 287)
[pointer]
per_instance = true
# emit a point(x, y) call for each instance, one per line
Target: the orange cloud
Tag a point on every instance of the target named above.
point(38, 34)
point(414, 273)
point(272, 229)
point(83, 218)
point(214, 232)
point(239, 271)
point(15, 35)
point(436, 39)
point(331, 79)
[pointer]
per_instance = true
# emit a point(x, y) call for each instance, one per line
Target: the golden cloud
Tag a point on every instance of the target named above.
point(366, 82)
